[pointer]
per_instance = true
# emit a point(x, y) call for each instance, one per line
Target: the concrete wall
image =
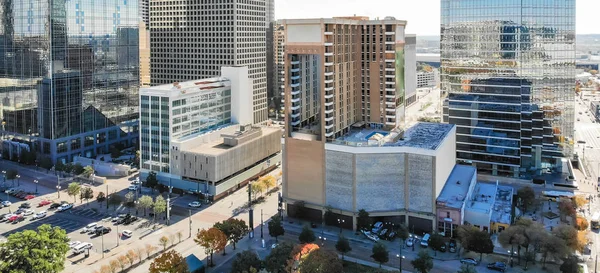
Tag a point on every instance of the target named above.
point(421, 185)
point(241, 93)
point(339, 174)
point(380, 180)
point(304, 171)
point(410, 65)
point(477, 217)
point(445, 162)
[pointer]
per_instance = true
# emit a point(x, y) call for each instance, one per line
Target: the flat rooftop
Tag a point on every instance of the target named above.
point(423, 135)
point(457, 186)
point(482, 199)
point(177, 88)
point(213, 143)
point(503, 205)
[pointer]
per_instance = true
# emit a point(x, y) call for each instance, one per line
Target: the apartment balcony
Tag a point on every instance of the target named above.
point(389, 82)
point(294, 123)
point(328, 64)
point(390, 89)
point(328, 88)
point(295, 70)
point(328, 54)
point(327, 127)
point(295, 92)
point(392, 117)
point(329, 134)
point(295, 85)
point(328, 104)
point(390, 33)
point(327, 74)
point(295, 100)
point(294, 62)
point(295, 115)
point(328, 81)
point(328, 44)
point(329, 111)
point(328, 96)
point(390, 123)
point(328, 33)
point(390, 69)
point(329, 119)
point(390, 51)
point(390, 76)
point(390, 102)
point(390, 96)
point(295, 107)
point(282, 72)
point(295, 77)
point(389, 42)
point(390, 60)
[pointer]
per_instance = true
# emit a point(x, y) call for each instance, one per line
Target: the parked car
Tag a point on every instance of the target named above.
point(103, 230)
point(442, 248)
point(80, 248)
point(74, 243)
point(93, 230)
point(130, 220)
point(65, 207)
point(498, 266)
point(391, 236)
point(39, 215)
point(377, 227)
point(371, 236)
point(7, 216)
point(194, 204)
point(15, 218)
point(132, 187)
point(11, 191)
point(410, 241)
point(28, 212)
point(25, 206)
point(6, 203)
point(44, 202)
point(469, 261)
point(383, 232)
point(89, 227)
point(29, 197)
point(452, 246)
point(55, 206)
point(127, 233)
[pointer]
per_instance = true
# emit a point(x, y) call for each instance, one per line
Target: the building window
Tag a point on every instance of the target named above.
point(447, 214)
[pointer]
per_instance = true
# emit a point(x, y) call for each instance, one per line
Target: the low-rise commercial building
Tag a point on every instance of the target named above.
point(451, 201)
point(489, 207)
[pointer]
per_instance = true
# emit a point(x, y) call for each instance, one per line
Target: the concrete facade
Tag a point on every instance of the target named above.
point(450, 204)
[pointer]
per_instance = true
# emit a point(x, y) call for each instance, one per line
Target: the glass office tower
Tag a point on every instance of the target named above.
point(508, 70)
point(69, 75)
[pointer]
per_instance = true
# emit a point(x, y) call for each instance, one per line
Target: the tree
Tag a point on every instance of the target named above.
point(245, 261)
point(148, 249)
point(140, 254)
point(114, 265)
point(566, 208)
point(114, 200)
point(526, 196)
point(164, 241)
point(234, 229)
point(77, 169)
point(476, 240)
point(436, 241)
point(257, 188)
point(86, 194)
point(59, 166)
point(268, 181)
point(593, 72)
point(36, 251)
point(570, 265)
point(46, 163)
point(212, 240)
point(363, 221)
point(423, 263)
point(307, 235)
point(579, 201)
point(329, 216)
point(115, 153)
point(145, 202)
point(571, 237)
point(122, 262)
point(299, 255)
point(321, 260)
point(68, 168)
point(136, 160)
point(87, 171)
point(169, 262)
point(160, 205)
point(129, 199)
point(275, 227)
point(380, 254)
point(343, 245)
point(105, 269)
point(277, 260)
point(73, 190)
point(581, 223)
point(151, 181)
point(131, 257)
point(465, 268)
point(100, 198)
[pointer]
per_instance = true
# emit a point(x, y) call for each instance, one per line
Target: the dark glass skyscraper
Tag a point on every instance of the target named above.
point(508, 69)
point(69, 74)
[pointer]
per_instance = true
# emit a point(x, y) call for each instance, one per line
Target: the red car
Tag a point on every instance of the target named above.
point(29, 197)
point(44, 202)
point(15, 218)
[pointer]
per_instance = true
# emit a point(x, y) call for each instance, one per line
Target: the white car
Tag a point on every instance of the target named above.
point(371, 236)
point(89, 227)
point(74, 243)
point(28, 212)
point(9, 191)
point(127, 233)
point(133, 187)
point(64, 207)
point(409, 241)
point(195, 204)
point(6, 203)
point(39, 215)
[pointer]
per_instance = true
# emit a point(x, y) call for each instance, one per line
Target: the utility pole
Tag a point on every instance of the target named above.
point(250, 212)
point(102, 232)
point(106, 195)
point(190, 218)
point(117, 225)
point(261, 223)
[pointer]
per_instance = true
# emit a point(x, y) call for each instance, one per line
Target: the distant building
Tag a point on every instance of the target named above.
point(208, 119)
point(427, 79)
point(450, 204)
point(410, 69)
point(489, 208)
point(595, 109)
point(278, 76)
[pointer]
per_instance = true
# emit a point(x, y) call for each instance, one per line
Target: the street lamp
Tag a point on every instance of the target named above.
point(511, 257)
point(36, 183)
point(340, 222)
point(4, 174)
point(169, 206)
point(400, 257)
point(18, 182)
point(323, 239)
point(58, 191)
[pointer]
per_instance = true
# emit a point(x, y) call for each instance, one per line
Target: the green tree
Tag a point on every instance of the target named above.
point(423, 263)
point(465, 268)
point(73, 190)
point(169, 262)
point(526, 196)
point(87, 171)
point(31, 251)
point(164, 241)
point(571, 237)
point(145, 202)
point(101, 197)
point(213, 240)
point(136, 160)
point(570, 265)
point(160, 205)
point(363, 221)
point(114, 200)
point(115, 153)
point(276, 261)
point(321, 260)
point(59, 166)
point(553, 247)
point(46, 163)
point(68, 168)
point(257, 188)
point(77, 169)
point(307, 235)
point(380, 253)
point(436, 241)
point(234, 229)
point(343, 245)
point(245, 261)
point(151, 181)
point(86, 194)
point(481, 243)
point(276, 227)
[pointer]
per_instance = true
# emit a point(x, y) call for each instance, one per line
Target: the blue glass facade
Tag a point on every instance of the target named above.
point(69, 74)
point(508, 70)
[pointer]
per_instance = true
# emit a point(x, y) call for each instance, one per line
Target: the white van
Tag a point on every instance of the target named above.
point(425, 240)
point(80, 248)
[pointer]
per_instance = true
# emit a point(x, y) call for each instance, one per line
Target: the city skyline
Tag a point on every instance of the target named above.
point(403, 10)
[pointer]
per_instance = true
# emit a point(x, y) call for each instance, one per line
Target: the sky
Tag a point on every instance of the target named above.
point(422, 16)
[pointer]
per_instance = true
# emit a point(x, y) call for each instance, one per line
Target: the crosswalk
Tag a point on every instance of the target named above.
point(88, 213)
